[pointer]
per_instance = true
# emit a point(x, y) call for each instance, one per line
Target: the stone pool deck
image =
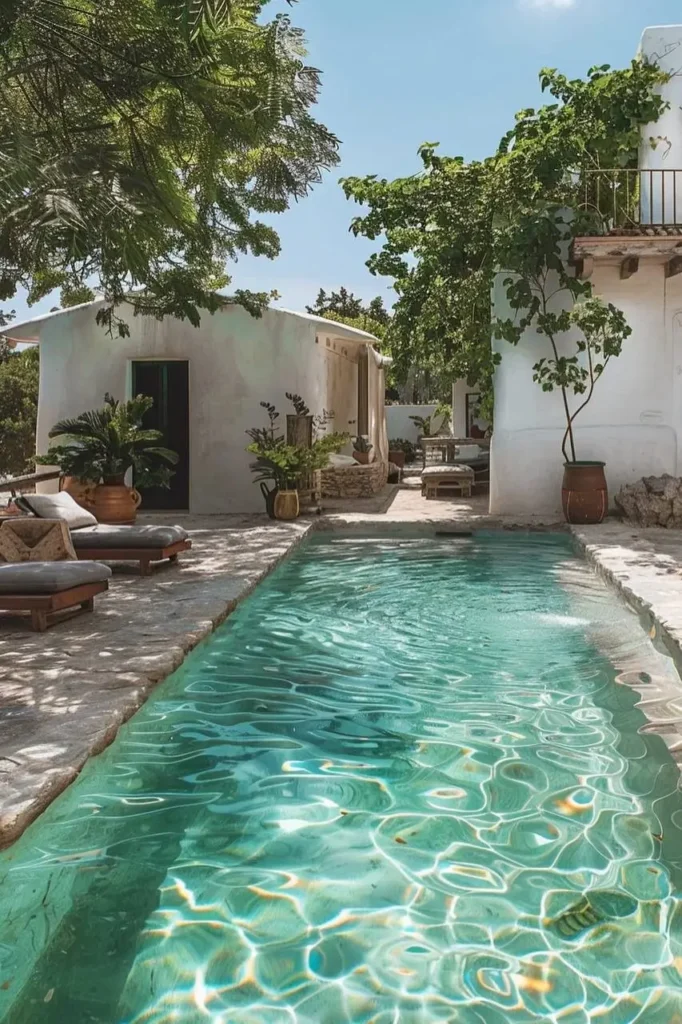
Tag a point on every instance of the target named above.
point(64, 693)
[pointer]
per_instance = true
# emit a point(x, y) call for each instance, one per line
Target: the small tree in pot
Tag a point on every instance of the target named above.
point(100, 446)
point(581, 341)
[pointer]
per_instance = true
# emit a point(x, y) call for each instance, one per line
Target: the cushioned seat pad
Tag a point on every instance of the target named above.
point(49, 577)
point(442, 471)
point(103, 536)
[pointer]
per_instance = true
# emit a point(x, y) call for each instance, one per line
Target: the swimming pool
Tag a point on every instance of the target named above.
point(402, 783)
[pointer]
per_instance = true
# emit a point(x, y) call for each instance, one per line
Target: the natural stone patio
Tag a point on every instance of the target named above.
point(64, 693)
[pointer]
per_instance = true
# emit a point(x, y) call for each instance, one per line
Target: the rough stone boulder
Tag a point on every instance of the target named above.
point(652, 501)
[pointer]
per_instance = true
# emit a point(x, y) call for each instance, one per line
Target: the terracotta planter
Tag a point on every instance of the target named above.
point(584, 495)
point(362, 458)
point(286, 505)
point(82, 491)
point(115, 504)
point(397, 458)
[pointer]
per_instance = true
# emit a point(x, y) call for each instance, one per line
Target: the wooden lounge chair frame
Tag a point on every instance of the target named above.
point(80, 598)
point(145, 556)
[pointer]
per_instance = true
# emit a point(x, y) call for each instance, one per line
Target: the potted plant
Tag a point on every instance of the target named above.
point(299, 423)
point(361, 450)
point(102, 445)
point(284, 464)
point(423, 425)
point(401, 451)
point(435, 424)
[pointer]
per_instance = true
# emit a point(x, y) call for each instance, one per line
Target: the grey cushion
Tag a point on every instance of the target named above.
point(49, 577)
point(59, 506)
point(103, 536)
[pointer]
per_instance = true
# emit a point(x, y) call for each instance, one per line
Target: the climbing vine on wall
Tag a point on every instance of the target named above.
point(447, 230)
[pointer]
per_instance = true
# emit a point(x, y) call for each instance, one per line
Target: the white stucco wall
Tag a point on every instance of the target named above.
point(633, 421)
point(662, 44)
point(399, 424)
point(235, 361)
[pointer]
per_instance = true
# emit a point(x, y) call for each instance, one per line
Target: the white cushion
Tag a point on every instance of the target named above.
point(341, 461)
point(60, 506)
point(438, 472)
point(468, 451)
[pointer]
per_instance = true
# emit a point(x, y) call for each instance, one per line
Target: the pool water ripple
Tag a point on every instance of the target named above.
point(401, 784)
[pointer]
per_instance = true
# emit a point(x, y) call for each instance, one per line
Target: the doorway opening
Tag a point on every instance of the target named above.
point(167, 382)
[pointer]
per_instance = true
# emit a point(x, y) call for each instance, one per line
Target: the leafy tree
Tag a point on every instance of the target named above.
point(449, 229)
point(347, 307)
point(19, 373)
point(138, 138)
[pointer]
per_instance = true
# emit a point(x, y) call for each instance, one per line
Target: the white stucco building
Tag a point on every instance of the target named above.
point(634, 421)
point(208, 383)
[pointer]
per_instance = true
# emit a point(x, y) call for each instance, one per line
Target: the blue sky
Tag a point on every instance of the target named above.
point(400, 72)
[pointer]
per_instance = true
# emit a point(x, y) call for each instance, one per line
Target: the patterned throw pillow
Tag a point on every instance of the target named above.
point(35, 540)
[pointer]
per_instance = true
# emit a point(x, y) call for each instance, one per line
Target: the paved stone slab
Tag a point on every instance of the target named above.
point(645, 565)
point(65, 693)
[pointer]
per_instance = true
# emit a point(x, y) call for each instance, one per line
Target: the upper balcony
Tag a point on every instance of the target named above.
point(628, 214)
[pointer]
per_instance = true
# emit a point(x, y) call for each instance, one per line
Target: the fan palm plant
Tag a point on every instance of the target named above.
point(103, 444)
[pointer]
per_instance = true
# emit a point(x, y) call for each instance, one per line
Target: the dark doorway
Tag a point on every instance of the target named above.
point(167, 382)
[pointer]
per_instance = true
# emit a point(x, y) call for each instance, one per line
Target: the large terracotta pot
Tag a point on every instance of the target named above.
point(584, 495)
point(286, 505)
point(82, 491)
point(115, 503)
point(397, 458)
point(362, 458)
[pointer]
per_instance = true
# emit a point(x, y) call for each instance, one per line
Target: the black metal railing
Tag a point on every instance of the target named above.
point(629, 199)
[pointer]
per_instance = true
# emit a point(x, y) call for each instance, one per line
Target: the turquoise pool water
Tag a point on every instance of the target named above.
point(402, 784)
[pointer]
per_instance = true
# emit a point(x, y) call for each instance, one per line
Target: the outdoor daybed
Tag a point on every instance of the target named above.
point(441, 478)
point(92, 540)
point(40, 574)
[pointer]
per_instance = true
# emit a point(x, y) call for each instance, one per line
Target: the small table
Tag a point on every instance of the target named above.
point(446, 445)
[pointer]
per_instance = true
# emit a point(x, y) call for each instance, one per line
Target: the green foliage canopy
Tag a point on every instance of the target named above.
point(446, 231)
point(19, 373)
point(346, 308)
point(138, 137)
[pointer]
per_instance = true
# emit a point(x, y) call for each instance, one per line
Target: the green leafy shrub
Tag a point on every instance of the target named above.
point(400, 444)
point(103, 444)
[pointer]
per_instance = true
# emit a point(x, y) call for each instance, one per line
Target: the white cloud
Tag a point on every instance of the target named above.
point(548, 5)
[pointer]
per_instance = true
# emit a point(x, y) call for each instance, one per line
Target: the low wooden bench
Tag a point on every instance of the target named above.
point(442, 478)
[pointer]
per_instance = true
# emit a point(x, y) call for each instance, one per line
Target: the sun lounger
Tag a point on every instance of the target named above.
point(47, 588)
point(143, 544)
point(92, 540)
